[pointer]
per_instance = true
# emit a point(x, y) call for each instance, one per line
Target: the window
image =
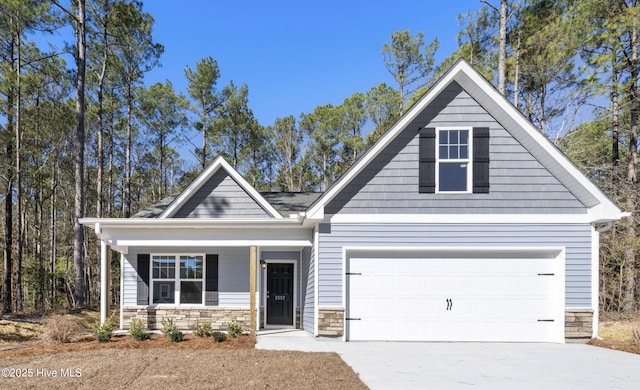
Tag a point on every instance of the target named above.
point(453, 160)
point(177, 279)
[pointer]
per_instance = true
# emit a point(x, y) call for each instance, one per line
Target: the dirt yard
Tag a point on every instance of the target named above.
point(27, 361)
point(620, 333)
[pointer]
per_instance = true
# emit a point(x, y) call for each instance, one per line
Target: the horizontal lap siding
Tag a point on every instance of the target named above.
point(519, 184)
point(576, 238)
point(307, 286)
point(233, 271)
point(130, 280)
point(221, 197)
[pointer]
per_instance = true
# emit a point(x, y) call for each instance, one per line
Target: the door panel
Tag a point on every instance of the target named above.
point(279, 294)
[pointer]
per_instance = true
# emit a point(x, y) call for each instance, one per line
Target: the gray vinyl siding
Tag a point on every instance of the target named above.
point(233, 271)
point(575, 238)
point(307, 286)
point(221, 197)
point(518, 182)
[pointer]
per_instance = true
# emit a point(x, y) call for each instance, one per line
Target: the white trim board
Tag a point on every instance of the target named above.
point(461, 218)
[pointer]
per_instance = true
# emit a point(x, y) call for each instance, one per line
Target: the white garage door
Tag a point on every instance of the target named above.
point(455, 297)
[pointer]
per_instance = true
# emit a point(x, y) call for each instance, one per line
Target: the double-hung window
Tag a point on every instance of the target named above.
point(453, 162)
point(177, 279)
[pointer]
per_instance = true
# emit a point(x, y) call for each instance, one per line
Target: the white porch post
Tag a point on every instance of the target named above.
point(104, 281)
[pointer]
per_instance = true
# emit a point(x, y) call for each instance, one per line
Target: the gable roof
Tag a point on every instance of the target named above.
point(218, 163)
point(600, 207)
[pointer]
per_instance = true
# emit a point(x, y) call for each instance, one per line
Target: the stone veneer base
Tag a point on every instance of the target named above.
point(190, 318)
point(578, 325)
point(331, 321)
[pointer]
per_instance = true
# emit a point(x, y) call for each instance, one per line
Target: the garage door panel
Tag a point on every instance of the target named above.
point(452, 299)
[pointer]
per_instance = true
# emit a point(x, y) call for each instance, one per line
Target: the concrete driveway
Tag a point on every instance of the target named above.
point(398, 365)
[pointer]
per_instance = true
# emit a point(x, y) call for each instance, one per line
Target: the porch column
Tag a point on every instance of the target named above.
point(104, 281)
point(253, 259)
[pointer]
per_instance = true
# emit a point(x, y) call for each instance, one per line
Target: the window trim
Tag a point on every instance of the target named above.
point(468, 160)
point(177, 280)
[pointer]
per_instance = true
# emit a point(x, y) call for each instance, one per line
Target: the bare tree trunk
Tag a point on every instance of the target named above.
point(8, 202)
point(615, 126)
point(78, 239)
point(502, 55)
point(629, 304)
point(53, 236)
point(516, 75)
point(127, 163)
point(19, 200)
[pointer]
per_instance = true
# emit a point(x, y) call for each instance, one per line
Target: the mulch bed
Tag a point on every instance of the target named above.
point(86, 343)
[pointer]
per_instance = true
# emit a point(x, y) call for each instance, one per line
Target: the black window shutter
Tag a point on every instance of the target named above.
point(211, 281)
point(480, 160)
point(427, 161)
point(143, 279)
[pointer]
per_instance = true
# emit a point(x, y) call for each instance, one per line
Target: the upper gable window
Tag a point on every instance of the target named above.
point(453, 160)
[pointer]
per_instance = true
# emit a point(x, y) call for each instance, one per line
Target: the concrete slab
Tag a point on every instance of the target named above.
point(394, 365)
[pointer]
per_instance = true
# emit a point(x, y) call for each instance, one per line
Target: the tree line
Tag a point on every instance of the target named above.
point(83, 134)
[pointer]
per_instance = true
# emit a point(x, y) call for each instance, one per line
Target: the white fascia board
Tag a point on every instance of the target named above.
point(206, 175)
point(209, 243)
point(316, 211)
point(189, 223)
point(463, 218)
point(555, 250)
point(613, 211)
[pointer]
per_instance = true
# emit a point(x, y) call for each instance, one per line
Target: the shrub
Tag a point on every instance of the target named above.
point(176, 335)
point(234, 328)
point(203, 330)
point(138, 330)
point(170, 329)
point(219, 336)
point(168, 326)
point(103, 331)
point(60, 329)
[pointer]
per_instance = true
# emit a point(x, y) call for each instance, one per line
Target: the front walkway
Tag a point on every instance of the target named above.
point(398, 365)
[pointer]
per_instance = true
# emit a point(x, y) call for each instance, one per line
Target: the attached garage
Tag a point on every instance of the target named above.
point(455, 295)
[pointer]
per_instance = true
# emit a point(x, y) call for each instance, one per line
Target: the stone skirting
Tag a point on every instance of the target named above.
point(578, 325)
point(185, 319)
point(331, 321)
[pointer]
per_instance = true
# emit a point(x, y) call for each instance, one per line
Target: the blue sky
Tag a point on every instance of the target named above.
point(295, 55)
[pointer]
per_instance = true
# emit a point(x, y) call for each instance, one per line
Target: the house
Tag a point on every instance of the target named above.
point(462, 223)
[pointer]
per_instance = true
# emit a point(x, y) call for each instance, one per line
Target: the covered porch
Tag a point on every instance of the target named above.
point(195, 271)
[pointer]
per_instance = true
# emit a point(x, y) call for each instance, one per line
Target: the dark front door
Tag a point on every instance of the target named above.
point(279, 294)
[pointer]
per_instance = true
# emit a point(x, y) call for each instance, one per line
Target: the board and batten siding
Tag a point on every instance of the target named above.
point(575, 238)
point(221, 197)
point(519, 184)
point(233, 271)
point(307, 286)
